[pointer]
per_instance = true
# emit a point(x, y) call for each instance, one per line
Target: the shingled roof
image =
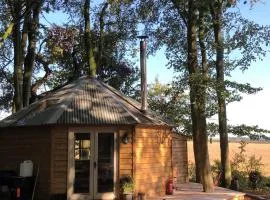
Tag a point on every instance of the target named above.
point(86, 101)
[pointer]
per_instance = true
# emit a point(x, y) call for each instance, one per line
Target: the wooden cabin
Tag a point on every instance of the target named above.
point(84, 137)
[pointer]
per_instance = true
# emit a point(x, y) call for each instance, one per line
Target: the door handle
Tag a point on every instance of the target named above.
point(95, 165)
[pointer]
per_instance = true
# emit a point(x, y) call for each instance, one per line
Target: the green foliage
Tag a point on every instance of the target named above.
point(246, 169)
point(171, 103)
point(242, 179)
point(254, 177)
point(253, 132)
point(67, 53)
point(216, 170)
point(61, 56)
point(254, 164)
point(111, 46)
point(245, 166)
point(191, 172)
point(264, 184)
point(120, 75)
point(165, 23)
point(60, 40)
point(127, 184)
point(246, 163)
point(6, 34)
point(216, 167)
point(6, 90)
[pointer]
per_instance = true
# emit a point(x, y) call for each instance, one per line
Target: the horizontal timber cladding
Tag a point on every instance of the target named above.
point(153, 159)
point(180, 159)
point(125, 154)
point(28, 143)
point(59, 162)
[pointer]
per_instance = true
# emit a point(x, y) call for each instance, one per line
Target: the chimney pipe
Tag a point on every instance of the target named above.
point(143, 72)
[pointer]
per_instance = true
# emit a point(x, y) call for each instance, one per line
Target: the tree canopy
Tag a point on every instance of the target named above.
point(37, 56)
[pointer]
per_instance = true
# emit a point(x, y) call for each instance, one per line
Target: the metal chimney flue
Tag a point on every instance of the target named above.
point(143, 72)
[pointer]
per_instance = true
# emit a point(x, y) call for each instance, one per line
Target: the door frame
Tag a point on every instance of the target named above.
point(93, 131)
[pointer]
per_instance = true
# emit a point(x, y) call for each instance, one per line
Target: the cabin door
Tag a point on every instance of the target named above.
point(104, 165)
point(92, 165)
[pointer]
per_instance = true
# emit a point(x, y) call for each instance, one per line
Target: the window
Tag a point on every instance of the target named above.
point(82, 146)
point(82, 155)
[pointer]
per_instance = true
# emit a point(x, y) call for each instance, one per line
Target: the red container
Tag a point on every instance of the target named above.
point(169, 187)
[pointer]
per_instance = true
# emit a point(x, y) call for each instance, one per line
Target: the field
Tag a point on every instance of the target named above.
point(252, 148)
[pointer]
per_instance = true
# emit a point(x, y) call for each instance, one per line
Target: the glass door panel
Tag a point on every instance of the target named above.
point(91, 165)
point(105, 163)
point(82, 156)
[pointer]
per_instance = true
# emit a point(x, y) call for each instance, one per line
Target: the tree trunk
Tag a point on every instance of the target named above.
point(87, 38)
point(39, 58)
point(76, 65)
point(197, 96)
point(18, 103)
point(101, 33)
point(204, 66)
point(206, 174)
point(27, 15)
point(31, 52)
point(195, 137)
point(192, 56)
point(196, 153)
point(220, 89)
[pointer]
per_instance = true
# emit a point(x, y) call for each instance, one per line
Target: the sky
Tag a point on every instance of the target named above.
point(253, 109)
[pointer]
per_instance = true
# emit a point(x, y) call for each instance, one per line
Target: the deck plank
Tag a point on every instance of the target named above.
point(194, 191)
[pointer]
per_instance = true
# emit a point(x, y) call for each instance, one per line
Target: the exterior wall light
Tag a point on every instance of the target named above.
point(125, 138)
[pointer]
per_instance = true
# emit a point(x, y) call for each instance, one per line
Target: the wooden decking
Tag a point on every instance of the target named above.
point(193, 191)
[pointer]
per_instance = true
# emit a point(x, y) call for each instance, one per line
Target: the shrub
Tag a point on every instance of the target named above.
point(246, 168)
point(255, 178)
point(264, 184)
point(127, 184)
point(241, 176)
point(191, 172)
point(216, 167)
point(243, 162)
point(216, 170)
point(254, 164)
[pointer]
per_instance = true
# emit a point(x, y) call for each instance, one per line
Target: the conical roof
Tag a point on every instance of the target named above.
point(86, 101)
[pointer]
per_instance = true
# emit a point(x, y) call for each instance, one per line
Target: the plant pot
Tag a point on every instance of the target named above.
point(127, 197)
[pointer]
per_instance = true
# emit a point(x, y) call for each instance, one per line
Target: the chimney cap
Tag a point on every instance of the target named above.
point(142, 37)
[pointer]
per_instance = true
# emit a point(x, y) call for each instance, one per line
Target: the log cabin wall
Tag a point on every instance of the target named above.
point(125, 155)
point(180, 159)
point(59, 163)
point(19, 144)
point(153, 160)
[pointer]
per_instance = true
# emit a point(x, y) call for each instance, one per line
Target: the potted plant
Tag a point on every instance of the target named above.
point(127, 187)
